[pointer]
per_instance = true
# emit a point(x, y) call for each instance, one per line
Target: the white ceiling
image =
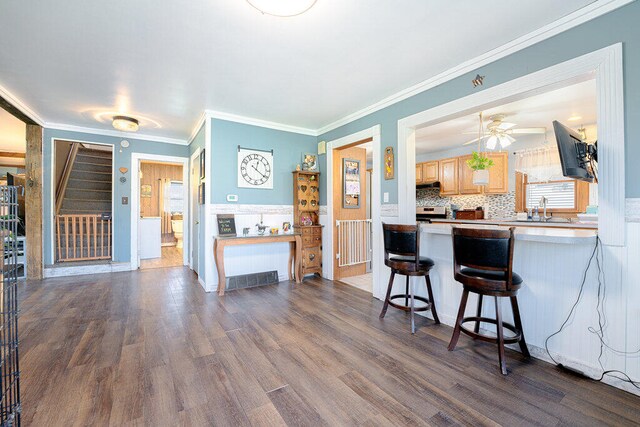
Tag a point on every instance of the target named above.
point(169, 61)
point(577, 100)
point(13, 133)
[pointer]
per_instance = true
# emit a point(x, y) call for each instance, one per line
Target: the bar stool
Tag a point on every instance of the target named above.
point(402, 255)
point(483, 261)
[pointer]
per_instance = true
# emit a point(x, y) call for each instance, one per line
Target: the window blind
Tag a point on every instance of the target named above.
point(560, 195)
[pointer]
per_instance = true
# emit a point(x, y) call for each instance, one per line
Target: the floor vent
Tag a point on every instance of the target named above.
point(252, 280)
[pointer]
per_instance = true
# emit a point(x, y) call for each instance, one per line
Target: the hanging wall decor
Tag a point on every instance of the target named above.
point(388, 163)
point(145, 190)
point(351, 179)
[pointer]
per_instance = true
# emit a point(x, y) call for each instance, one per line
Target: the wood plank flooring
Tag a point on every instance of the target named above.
point(171, 257)
point(152, 348)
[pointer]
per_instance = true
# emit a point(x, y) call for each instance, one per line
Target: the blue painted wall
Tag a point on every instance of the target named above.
point(618, 26)
point(288, 148)
point(121, 213)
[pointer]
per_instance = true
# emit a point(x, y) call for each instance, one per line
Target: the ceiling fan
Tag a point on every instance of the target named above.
point(499, 131)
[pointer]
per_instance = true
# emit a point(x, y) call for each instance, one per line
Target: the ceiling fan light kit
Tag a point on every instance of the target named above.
point(282, 8)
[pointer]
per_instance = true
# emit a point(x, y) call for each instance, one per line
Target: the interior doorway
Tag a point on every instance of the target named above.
point(162, 207)
point(352, 226)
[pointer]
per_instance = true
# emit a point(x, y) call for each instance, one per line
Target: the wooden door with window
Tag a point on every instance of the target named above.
point(341, 213)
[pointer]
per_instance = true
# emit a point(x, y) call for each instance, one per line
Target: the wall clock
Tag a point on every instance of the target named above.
point(255, 168)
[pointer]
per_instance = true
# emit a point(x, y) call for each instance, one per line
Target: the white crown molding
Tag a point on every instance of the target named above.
point(114, 133)
point(587, 13)
point(197, 127)
point(632, 210)
point(13, 100)
point(211, 114)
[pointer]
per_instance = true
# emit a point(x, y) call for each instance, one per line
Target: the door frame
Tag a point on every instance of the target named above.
point(52, 217)
point(136, 158)
point(606, 66)
point(376, 183)
point(193, 162)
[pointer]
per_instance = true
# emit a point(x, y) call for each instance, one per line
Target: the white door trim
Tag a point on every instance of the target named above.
point(52, 217)
point(135, 200)
point(605, 65)
point(193, 162)
point(376, 182)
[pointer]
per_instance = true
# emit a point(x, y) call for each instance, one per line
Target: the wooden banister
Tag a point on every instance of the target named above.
point(66, 172)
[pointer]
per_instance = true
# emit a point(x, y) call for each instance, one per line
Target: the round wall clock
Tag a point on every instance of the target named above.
point(255, 169)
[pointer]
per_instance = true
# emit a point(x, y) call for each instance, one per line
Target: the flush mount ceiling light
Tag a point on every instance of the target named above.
point(125, 123)
point(282, 8)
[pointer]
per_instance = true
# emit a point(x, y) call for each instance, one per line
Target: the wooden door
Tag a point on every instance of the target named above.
point(498, 174)
point(419, 173)
point(430, 171)
point(341, 213)
point(466, 177)
point(448, 174)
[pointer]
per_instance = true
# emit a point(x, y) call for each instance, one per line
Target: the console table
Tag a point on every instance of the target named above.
point(295, 252)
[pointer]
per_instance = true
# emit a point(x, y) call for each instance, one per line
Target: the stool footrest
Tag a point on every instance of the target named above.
point(425, 307)
point(507, 340)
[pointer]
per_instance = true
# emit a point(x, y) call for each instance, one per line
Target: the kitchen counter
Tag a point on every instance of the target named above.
point(523, 232)
point(511, 223)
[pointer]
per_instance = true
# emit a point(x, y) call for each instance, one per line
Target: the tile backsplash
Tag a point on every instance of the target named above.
point(495, 205)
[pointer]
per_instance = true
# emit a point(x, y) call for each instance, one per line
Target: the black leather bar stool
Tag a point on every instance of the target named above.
point(483, 261)
point(402, 255)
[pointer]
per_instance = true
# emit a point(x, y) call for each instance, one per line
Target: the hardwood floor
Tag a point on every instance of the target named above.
point(171, 257)
point(152, 348)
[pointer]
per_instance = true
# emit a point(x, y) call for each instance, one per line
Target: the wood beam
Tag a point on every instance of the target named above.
point(33, 202)
point(14, 111)
point(12, 154)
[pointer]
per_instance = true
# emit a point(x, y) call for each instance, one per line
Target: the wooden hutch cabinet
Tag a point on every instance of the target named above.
point(306, 215)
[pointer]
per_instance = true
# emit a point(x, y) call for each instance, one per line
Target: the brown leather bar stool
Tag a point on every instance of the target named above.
point(402, 255)
point(483, 261)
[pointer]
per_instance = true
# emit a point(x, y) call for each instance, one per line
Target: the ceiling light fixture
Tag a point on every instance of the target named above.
point(574, 118)
point(125, 123)
point(282, 8)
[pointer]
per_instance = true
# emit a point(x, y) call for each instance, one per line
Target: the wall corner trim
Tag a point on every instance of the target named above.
point(211, 114)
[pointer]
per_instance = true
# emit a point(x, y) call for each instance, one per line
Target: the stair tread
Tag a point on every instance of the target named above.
point(92, 163)
point(88, 189)
point(89, 180)
point(101, 173)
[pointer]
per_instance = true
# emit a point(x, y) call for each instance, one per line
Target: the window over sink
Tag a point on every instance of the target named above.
point(563, 195)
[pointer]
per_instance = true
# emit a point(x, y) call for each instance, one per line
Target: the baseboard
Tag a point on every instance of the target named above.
point(86, 269)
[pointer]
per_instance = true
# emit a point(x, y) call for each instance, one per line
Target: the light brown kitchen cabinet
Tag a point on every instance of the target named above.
point(448, 174)
point(498, 174)
point(466, 177)
point(419, 173)
point(430, 171)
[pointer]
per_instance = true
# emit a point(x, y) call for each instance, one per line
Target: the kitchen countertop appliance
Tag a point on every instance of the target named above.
point(425, 213)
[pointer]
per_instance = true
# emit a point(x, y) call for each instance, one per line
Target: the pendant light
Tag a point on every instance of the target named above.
point(282, 8)
point(481, 177)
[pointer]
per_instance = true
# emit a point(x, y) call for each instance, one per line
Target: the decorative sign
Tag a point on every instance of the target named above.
point(309, 162)
point(201, 198)
point(351, 178)
point(145, 190)
point(202, 165)
point(123, 170)
point(388, 163)
point(226, 225)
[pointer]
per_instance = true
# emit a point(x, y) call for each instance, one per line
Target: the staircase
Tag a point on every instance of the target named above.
point(83, 220)
point(89, 187)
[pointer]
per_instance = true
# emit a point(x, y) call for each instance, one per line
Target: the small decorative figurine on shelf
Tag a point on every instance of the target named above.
point(274, 230)
point(306, 220)
point(286, 227)
point(245, 231)
point(297, 167)
point(261, 228)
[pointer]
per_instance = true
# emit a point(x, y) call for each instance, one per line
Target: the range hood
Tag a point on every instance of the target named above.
point(435, 184)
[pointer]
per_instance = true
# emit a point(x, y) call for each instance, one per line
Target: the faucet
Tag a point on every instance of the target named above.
point(543, 205)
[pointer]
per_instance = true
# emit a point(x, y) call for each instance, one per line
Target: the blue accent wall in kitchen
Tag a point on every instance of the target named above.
point(620, 25)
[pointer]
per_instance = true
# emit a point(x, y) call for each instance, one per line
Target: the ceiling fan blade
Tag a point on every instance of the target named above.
point(471, 142)
point(470, 132)
point(529, 130)
point(505, 125)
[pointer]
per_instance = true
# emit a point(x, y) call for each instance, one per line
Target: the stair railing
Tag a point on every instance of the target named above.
point(66, 172)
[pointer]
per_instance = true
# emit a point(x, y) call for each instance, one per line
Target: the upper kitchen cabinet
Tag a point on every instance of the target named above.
point(448, 176)
point(465, 174)
point(419, 173)
point(430, 171)
point(498, 174)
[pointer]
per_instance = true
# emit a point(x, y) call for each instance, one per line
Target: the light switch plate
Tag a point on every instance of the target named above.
point(232, 197)
point(386, 197)
point(125, 200)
